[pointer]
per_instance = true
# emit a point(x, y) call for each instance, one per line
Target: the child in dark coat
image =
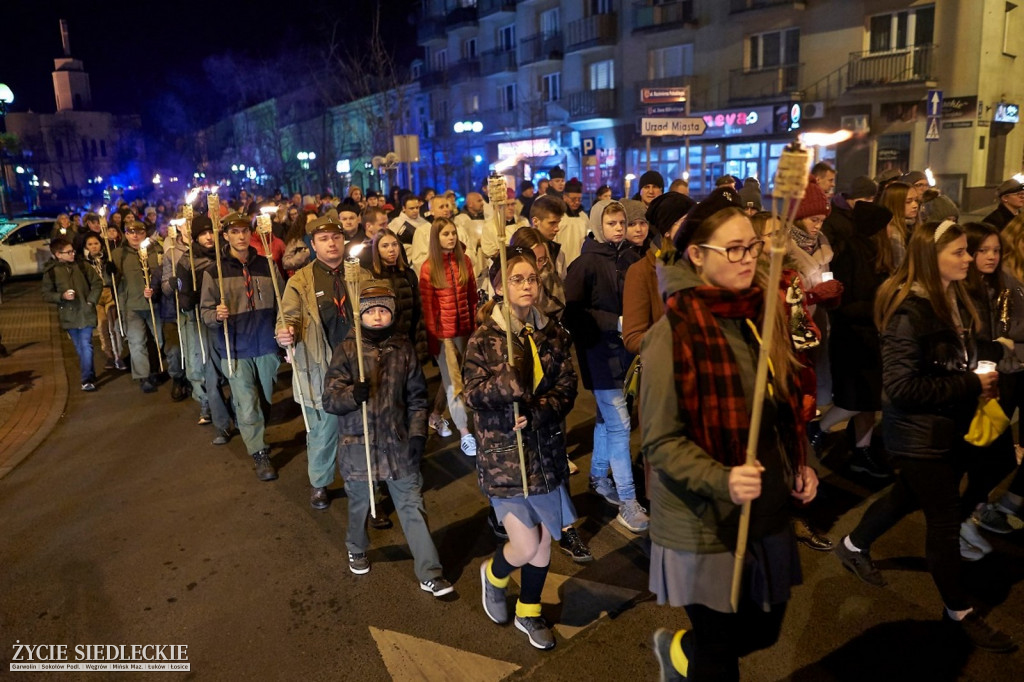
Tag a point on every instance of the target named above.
point(395, 393)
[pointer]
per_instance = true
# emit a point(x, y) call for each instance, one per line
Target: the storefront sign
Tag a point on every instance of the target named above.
point(738, 122)
point(959, 107)
point(536, 147)
point(663, 95)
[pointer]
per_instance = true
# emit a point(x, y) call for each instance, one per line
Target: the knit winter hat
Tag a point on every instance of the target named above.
point(376, 293)
point(200, 224)
point(573, 186)
point(557, 172)
point(719, 200)
point(666, 209)
point(635, 210)
point(939, 208)
point(651, 178)
point(814, 202)
point(751, 193)
point(862, 188)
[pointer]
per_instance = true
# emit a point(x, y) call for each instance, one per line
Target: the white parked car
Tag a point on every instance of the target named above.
point(24, 246)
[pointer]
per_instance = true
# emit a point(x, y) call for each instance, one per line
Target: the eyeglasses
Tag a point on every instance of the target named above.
point(520, 280)
point(735, 254)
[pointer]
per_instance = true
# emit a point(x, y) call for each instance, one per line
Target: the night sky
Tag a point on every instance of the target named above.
point(133, 51)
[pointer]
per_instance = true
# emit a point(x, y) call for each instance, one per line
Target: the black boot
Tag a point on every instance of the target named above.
point(816, 436)
point(264, 469)
point(866, 461)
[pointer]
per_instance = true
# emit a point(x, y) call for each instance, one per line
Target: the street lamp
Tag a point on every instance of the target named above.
point(6, 97)
point(461, 128)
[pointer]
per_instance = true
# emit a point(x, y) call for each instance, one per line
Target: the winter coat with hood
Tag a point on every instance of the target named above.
point(58, 277)
point(408, 306)
point(490, 388)
point(450, 312)
point(593, 306)
point(396, 411)
point(853, 338)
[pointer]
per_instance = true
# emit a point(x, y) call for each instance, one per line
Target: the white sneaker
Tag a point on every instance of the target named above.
point(440, 424)
point(969, 532)
point(468, 445)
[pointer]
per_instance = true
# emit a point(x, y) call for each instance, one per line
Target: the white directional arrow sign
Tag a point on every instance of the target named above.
point(934, 102)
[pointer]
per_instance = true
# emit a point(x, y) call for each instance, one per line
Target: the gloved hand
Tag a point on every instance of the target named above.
point(361, 392)
point(109, 268)
point(416, 446)
point(826, 292)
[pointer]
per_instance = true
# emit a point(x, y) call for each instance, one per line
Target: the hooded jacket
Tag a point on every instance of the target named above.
point(594, 289)
point(490, 388)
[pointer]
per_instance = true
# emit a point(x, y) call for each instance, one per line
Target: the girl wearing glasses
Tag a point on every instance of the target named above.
point(448, 294)
point(593, 313)
point(695, 423)
point(543, 384)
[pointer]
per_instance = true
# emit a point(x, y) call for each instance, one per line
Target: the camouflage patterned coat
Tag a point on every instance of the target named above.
point(396, 410)
point(490, 387)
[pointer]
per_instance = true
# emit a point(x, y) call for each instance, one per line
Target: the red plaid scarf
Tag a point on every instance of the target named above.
point(708, 381)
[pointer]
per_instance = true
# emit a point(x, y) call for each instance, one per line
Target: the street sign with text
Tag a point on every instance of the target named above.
point(659, 127)
point(664, 95)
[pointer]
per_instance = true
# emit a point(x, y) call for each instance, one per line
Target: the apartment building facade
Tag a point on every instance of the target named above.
point(525, 85)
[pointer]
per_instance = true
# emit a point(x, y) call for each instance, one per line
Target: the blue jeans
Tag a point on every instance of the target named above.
point(611, 442)
point(82, 340)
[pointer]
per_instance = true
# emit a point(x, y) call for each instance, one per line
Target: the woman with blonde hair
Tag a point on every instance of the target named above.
point(1012, 237)
point(449, 296)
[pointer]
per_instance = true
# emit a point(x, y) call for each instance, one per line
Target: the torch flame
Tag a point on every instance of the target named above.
point(144, 245)
point(178, 221)
point(268, 210)
point(102, 211)
point(190, 198)
point(824, 139)
point(355, 251)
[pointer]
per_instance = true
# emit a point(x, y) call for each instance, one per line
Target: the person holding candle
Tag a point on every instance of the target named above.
point(930, 394)
point(250, 311)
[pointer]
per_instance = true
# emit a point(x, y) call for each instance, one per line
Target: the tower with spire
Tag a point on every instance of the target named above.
point(70, 79)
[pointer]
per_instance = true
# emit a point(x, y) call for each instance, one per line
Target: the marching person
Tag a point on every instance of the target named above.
point(76, 289)
point(212, 406)
point(111, 341)
point(395, 393)
point(930, 394)
point(316, 316)
point(249, 310)
point(695, 421)
point(543, 384)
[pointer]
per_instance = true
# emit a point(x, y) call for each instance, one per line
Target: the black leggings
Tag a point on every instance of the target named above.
point(932, 485)
point(718, 640)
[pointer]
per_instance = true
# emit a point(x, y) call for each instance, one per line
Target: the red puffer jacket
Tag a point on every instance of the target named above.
point(450, 312)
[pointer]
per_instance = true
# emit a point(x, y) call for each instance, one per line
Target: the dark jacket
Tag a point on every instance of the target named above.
point(491, 386)
point(930, 392)
point(408, 306)
point(999, 217)
point(59, 277)
point(853, 338)
point(838, 226)
point(250, 327)
point(1000, 306)
point(204, 261)
point(593, 304)
point(131, 282)
point(396, 410)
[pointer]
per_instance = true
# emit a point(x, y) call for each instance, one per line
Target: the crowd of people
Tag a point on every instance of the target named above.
point(655, 304)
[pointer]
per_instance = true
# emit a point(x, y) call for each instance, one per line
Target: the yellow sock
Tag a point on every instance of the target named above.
point(527, 610)
point(494, 580)
point(679, 660)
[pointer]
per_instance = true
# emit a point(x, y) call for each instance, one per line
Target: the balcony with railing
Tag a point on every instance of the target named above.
point(878, 69)
point(774, 82)
point(497, 61)
point(464, 69)
point(429, 30)
point(593, 31)
point(592, 104)
point(496, 120)
point(649, 15)
point(461, 17)
point(540, 48)
point(433, 78)
point(486, 8)
point(737, 6)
